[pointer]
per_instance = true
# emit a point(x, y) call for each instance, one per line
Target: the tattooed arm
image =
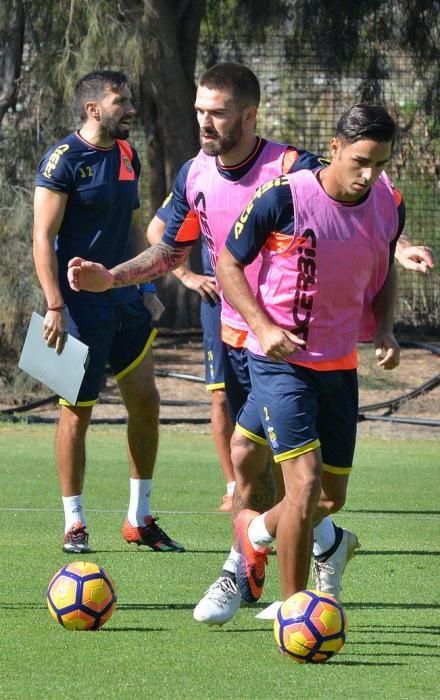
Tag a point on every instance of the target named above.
point(150, 264)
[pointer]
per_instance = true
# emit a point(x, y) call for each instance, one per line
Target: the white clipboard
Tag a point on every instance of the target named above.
point(62, 372)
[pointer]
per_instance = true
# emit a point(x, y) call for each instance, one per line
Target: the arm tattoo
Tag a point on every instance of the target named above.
point(150, 264)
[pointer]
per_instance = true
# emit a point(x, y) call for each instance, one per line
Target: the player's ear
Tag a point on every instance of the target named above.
point(249, 115)
point(335, 146)
point(92, 110)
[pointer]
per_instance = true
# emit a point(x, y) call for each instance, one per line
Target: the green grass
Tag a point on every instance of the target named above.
point(152, 647)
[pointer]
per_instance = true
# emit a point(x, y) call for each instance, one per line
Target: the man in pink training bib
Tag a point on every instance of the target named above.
point(327, 238)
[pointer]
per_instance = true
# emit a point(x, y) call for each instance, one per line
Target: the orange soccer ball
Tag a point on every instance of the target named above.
point(81, 596)
point(310, 627)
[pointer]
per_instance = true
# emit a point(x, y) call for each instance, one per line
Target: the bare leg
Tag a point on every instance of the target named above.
point(222, 429)
point(254, 481)
point(70, 448)
point(280, 490)
point(292, 520)
point(141, 398)
point(333, 494)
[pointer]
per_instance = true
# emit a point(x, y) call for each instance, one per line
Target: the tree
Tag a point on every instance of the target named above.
point(45, 50)
point(12, 38)
point(45, 47)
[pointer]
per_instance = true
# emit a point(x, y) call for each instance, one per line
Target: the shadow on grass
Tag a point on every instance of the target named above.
point(393, 629)
point(397, 552)
point(380, 511)
point(147, 550)
point(112, 630)
point(375, 664)
point(377, 605)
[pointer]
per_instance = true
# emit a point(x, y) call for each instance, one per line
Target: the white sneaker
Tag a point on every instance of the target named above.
point(270, 612)
point(220, 602)
point(327, 574)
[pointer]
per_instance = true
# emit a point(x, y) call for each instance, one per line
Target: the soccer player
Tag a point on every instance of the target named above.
point(206, 286)
point(327, 278)
point(209, 193)
point(86, 203)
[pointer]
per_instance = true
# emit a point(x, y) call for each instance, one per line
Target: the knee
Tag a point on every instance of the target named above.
point(75, 420)
point(240, 442)
point(245, 451)
point(333, 492)
point(149, 402)
point(336, 503)
point(332, 503)
point(218, 398)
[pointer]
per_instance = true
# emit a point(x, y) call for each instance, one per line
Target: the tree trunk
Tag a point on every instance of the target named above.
point(12, 36)
point(169, 34)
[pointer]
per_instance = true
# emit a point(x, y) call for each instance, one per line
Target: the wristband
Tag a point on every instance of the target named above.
point(56, 308)
point(147, 287)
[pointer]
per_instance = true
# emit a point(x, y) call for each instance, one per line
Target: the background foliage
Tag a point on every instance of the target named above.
point(313, 59)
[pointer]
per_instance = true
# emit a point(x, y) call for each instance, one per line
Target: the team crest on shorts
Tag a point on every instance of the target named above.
point(272, 437)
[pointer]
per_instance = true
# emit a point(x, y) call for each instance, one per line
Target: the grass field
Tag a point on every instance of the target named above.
point(152, 647)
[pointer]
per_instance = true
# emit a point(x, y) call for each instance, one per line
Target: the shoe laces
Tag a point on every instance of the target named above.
point(79, 534)
point(324, 566)
point(157, 532)
point(222, 590)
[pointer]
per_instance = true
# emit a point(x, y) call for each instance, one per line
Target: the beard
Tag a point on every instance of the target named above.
point(114, 128)
point(220, 144)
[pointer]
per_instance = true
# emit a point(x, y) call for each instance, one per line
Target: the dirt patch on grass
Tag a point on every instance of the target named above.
point(185, 398)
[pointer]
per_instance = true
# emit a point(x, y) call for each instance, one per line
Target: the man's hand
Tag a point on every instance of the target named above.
point(277, 343)
point(202, 284)
point(53, 329)
point(153, 304)
point(387, 350)
point(90, 276)
point(419, 258)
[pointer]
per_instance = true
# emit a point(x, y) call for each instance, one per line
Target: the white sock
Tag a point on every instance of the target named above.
point(230, 486)
point(258, 533)
point(139, 506)
point(73, 511)
point(232, 561)
point(324, 536)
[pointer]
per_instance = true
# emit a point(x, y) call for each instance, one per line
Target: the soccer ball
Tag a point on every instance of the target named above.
point(310, 627)
point(81, 596)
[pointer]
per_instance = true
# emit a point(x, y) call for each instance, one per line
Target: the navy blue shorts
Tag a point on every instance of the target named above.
point(302, 409)
point(120, 335)
point(239, 394)
point(213, 345)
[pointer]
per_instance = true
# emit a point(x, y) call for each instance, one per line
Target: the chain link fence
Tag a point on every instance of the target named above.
point(301, 104)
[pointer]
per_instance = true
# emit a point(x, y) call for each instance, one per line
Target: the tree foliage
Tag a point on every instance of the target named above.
point(46, 46)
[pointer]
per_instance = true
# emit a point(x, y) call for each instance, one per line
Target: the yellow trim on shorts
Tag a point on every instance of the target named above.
point(251, 436)
point(297, 452)
point(80, 404)
point(139, 359)
point(336, 470)
point(215, 387)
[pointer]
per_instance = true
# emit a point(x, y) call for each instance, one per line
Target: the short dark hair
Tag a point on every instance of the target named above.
point(242, 82)
point(365, 121)
point(92, 87)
